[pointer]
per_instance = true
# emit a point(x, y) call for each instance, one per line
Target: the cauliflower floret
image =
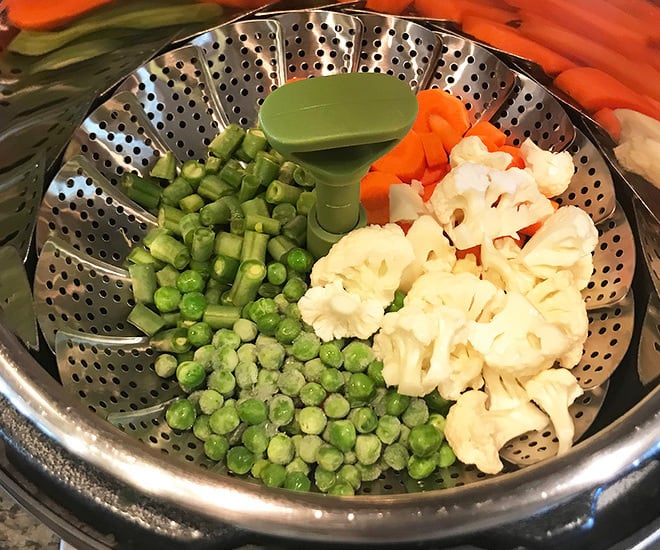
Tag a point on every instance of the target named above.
point(476, 434)
point(552, 171)
point(464, 292)
point(335, 313)
point(368, 261)
point(639, 144)
point(423, 351)
point(560, 302)
point(504, 390)
point(433, 252)
point(565, 241)
point(518, 340)
point(406, 202)
point(554, 391)
point(500, 266)
point(472, 149)
point(475, 203)
point(467, 264)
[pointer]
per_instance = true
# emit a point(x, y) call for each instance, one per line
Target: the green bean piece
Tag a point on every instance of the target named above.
point(312, 420)
point(255, 438)
point(221, 316)
point(266, 168)
point(331, 355)
point(324, 480)
point(296, 231)
point(200, 334)
point(284, 212)
point(436, 403)
point(221, 381)
point(228, 244)
point(331, 379)
point(165, 365)
point(297, 481)
point(250, 275)
point(141, 256)
point(143, 191)
point(342, 434)
point(239, 460)
point(416, 413)
point(446, 456)
point(224, 420)
point(145, 320)
point(144, 282)
point(357, 356)
point(191, 203)
point(180, 415)
point(396, 456)
point(312, 394)
point(294, 289)
point(360, 388)
point(202, 245)
point(224, 268)
point(395, 403)
point(172, 319)
point(253, 142)
point(279, 246)
point(245, 329)
point(421, 467)
point(262, 224)
point(212, 165)
point(187, 226)
point(210, 401)
point(193, 171)
point(167, 276)
point(169, 217)
point(375, 372)
point(216, 447)
point(281, 410)
point(364, 419)
point(268, 290)
point(176, 191)
point(190, 281)
point(303, 177)
point(225, 144)
point(278, 192)
point(305, 202)
point(201, 429)
point(165, 167)
point(306, 346)
point(170, 250)
point(255, 245)
point(232, 173)
point(252, 411)
point(271, 356)
point(424, 440)
point(219, 211)
point(172, 340)
point(286, 171)
point(249, 188)
point(190, 375)
point(213, 187)
point(388, 429)
point(280, 449)
point(247, 374)
point(291, 382)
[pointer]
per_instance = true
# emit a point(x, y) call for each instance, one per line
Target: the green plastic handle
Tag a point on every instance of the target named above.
point(336, 127)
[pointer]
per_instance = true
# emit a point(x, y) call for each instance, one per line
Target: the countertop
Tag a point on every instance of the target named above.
point(19, 530)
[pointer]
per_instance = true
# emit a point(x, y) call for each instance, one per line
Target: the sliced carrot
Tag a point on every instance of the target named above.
point(595, 89)
point(606, 118)
point(486, 10)
point(447, 9)
point(637, 75)
point(631, 12)
point(428, 190)
point(445, 131)
point(388, 6)
point(433, 149)
point(432, 176)
point(490, 134)
point(375, 195)
point(406, 160)
point(518, 161)
point(509, 40)
point(42, 15)
point(434, 101)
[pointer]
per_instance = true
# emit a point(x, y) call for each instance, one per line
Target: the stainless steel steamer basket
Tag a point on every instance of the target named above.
point(85, 226)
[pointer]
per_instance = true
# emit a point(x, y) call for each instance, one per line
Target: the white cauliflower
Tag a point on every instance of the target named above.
point(406, 202)
point(552, 171)
point(472, 149)
point(476, 434)
point(501, 266)
point(560, 302)
point(504, 390)
point(554, 391)
point(518, 340)
point(335, 313)
point(476, 203)
point(423, 351)
point(368, 261)
point(463, 291)
point(639, 144)
point(433, 252)
point(467, 264)
point(565, 241)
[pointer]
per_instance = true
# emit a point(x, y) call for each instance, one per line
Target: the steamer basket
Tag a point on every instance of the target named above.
point(85, 226)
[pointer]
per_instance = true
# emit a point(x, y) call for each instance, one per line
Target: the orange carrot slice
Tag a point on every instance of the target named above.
point(375, 195)
point(605, 117)
point(388, 6)
point(433, 149)
point(490, 134)
point(518, 161)
point(595, 89)
point(42, 15)
point(447, 9)
point(509, 40)
point(406, 160)
point(445, 131)
point(434, 101)
point(434, 175)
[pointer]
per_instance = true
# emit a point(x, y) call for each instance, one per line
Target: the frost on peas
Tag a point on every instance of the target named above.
point(308, 447)
point(416, 413)
point(357, 356)
point(367, 448)
point(271, 356)
point(246, 373)
point(225, 358)
point(247, 352)
point(291, 382)
point(280, 449)
point(396, 456)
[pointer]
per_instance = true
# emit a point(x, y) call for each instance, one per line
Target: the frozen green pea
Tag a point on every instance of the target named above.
point(306, 346)
point(312, 394)
point(438, 422)
point(199, 334)
point(205, 356)
point(280, 449)
point(331, 379)
point(216, 447)
point(313, 369)
point(165, 365)
point(446, 456)
point(245, 329)
point(357, 356)
point(258, 467)
point(247, 352)
point(246, 373)
point(341, 489)
point(336, 406)
point(192, 306)
point(308, 447)
point(360, 388)
point(375, 372)
point(224, 420)
point(288, 330)
point(349, 473)
point(323, 479)
point(273, 475)
point(201, 429)
point(367, 448)
point(331, 355)
point(298, 465)
point(291, 382)
point(364, 419)
point(190, 375)
point(369, 472)
point(271, 356)
point(396, 456)
point(221, 381)
point(225, 337)
point(436, 403)
point(252, 411)
point(424, 440)
point(416, 413)
point(342, 434)
point(329, 458)
point(180, 415)
point(312, 420)
point(297, 481)
point(281, 410)
point(395, 403)
point(255, 438)
point(388, 429)
point(421, 467)
point(239, 460)
point(190, 281)
point(210, 401)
